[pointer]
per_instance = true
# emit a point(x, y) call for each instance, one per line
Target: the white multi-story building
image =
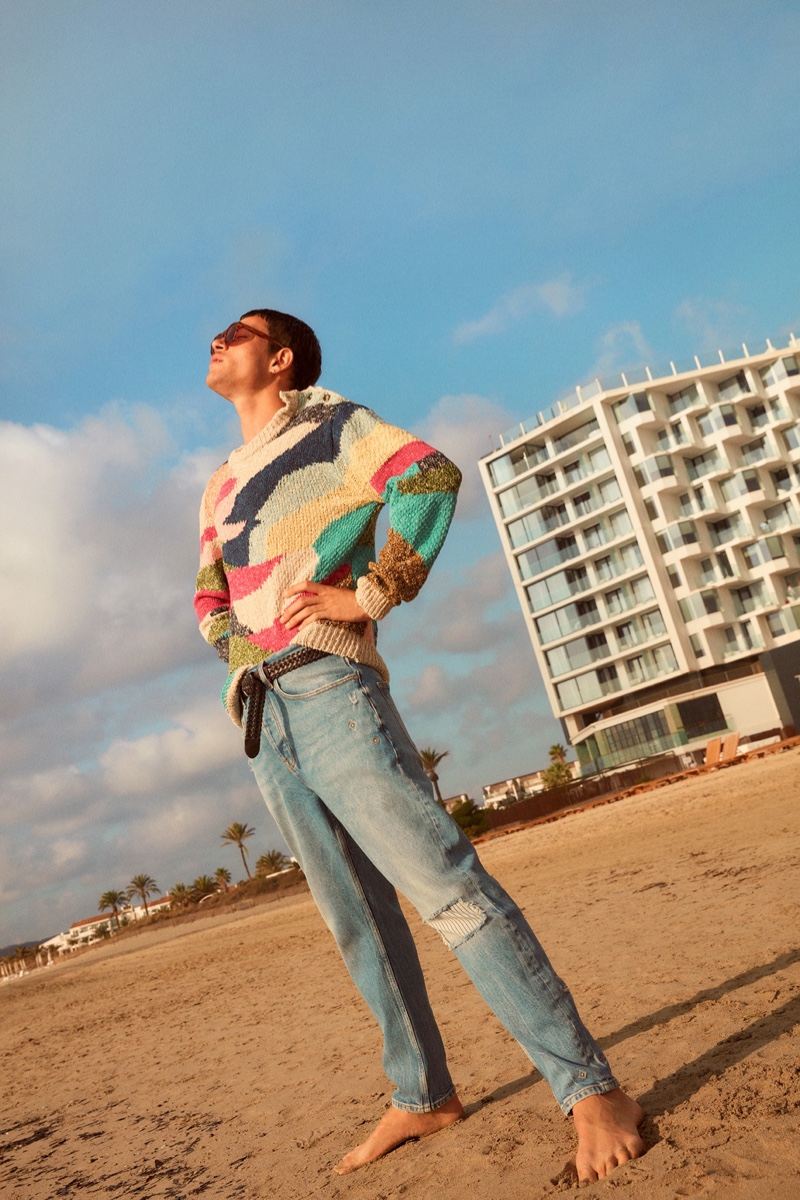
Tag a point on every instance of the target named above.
point(652, 529)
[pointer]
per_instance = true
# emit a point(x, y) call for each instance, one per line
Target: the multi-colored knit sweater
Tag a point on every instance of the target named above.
point(300, 501)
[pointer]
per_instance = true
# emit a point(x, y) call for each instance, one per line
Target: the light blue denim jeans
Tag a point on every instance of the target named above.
point(344, 783)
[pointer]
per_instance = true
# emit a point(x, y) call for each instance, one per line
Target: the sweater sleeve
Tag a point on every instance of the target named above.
point(419, 485)
point(212, 597)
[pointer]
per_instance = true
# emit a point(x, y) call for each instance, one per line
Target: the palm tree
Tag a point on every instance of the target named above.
point(235, 835)
point(271, 862)
point(430, 761)
point(113, 900)
point(204, 885)
point(180, 895)
point(559, 772)
point(223, 878)
point(144, 886)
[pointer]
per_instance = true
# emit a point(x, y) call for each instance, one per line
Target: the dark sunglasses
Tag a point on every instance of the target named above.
point(239, 332)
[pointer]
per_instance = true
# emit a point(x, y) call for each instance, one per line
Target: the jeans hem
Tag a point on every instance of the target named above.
point(594, 1089)
point(424, 1108)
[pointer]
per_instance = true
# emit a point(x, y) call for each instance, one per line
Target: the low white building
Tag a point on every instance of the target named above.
point(90, 929)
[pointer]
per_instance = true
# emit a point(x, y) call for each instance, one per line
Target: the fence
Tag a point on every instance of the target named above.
point(581, 791)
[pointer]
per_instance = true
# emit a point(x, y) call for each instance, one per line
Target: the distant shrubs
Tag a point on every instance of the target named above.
point(472, 819)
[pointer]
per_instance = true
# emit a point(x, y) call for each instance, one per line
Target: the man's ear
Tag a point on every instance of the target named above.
point(282, 360)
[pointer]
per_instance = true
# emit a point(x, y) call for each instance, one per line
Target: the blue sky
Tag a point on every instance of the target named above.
point(476, 205)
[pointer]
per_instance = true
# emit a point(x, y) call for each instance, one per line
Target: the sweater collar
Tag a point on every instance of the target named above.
point(291, 403)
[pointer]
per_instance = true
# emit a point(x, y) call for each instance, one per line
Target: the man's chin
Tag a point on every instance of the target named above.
point(215, 385)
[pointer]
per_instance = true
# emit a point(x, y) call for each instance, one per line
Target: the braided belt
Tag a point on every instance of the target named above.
point(255, 684)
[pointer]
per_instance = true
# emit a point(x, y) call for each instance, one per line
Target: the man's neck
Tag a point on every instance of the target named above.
point(256, 411)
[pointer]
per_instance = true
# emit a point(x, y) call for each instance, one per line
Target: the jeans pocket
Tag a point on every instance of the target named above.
point(315, 678)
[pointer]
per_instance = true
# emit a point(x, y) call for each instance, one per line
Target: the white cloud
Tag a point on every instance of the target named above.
point(432, 690)
point(462, 428)
point(101, 547)
point(712, 324)
point(562, 296)
point(622, 345)
point(202, 739)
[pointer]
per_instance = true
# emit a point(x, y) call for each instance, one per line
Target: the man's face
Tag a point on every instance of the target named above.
point(244, 366)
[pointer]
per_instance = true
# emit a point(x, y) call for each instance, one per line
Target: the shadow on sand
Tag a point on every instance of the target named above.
point(678, 1087)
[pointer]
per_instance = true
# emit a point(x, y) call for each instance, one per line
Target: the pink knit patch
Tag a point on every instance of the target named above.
point(226, 489)
point(340, 573)
point(405, 457)
point(243, 581)
point(275, 637)
point(205, 602)
point(208, 535)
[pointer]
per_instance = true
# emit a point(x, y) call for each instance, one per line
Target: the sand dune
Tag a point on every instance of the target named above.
point(232, 1058)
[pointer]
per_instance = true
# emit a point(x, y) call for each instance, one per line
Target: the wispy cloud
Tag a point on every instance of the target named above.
point(462, 428)
point(561, 296)
point(712, 324)
point(622, 345)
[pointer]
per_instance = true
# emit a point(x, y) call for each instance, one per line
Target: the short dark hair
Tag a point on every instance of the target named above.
point(300, 339)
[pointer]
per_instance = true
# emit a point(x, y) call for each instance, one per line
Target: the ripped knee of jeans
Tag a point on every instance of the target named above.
point(457, 922)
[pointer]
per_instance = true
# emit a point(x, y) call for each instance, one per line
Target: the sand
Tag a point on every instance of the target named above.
point(232, 1058)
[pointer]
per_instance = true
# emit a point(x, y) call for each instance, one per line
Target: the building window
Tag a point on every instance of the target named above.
point(683, 399)
point(754, 451)
point(776, 517)
point(598, 460)
point(557, 587)
point(642, 589)
point(651, 510)
point(724, 564)
point(697, 645)
point(703, 464)
point(569, 619)
point(521, 458)
point(575, 436)
point(734, 387)
point(775, 625)
point(639, 402)
point(780, 369)
point(782, 479)
point(547, 555)
point(583, 503)
point(674, 577)
point(638, 733)
point(701, 716)
point(609, 491)
point(705, 423)
point(658, 467)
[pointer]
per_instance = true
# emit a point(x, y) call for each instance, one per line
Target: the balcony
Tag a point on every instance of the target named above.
point(761, 598)
point(737, 649)
point(518, 461)
point(576, 437)
point(561, 665)
point(544, 558)
point(585, 689)
point(645, 668)
point(639, 636)
point(771, 521)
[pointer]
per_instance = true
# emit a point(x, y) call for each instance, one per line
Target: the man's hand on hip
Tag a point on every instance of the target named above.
point(316, 600)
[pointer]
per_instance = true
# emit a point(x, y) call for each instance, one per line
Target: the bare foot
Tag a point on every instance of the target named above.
point(397, 1126)
point(608, 1133)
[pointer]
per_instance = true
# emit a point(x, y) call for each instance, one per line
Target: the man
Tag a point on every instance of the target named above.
point(290, 592)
